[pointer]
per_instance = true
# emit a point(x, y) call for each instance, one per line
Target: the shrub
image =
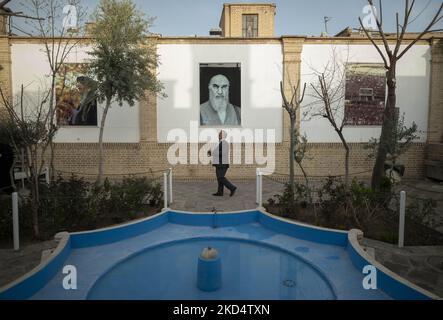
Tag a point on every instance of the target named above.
point(76, 205)
point(352, 206)
point(292, 200)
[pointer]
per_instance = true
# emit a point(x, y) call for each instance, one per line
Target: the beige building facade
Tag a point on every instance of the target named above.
point(147, 150)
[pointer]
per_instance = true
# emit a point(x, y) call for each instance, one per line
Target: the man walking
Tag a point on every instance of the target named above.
point(220, 160)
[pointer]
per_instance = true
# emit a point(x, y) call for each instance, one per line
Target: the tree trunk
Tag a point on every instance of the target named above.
point(343, 141)
point(291, 153)
point(51, 141)
point(386, 131)
point(35, 206)
point(35, 198)
point(304, 174)
point(100, 144)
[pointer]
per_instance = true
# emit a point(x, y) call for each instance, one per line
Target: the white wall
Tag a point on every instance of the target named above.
point(413, 83)
point(29, 67)
point(261, 73)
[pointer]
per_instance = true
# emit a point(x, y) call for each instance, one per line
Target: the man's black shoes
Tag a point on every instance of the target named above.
point(217, 194)
point(233, 192)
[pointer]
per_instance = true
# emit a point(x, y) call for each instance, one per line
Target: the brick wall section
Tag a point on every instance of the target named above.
point(434, 152)
point(435, 129)
point(232, 23)
point(3, 23)
point(292, 48)
point(5, 62)
point(323, 159)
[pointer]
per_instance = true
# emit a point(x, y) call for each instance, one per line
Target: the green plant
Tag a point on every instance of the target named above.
point(355, 205)
point(123, 59)
point(292, 200)
point(76, 205)
point(65, 205)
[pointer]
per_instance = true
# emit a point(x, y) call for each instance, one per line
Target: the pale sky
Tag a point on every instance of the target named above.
point(293, 17)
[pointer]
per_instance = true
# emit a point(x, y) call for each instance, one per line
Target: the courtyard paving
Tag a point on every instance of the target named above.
point(197, 196)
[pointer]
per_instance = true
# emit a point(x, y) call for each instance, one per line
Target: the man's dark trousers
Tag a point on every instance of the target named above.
point(220, 171)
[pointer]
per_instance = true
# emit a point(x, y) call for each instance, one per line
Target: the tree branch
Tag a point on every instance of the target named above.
point(435, 20)
point(380, 28)
point(375, 45)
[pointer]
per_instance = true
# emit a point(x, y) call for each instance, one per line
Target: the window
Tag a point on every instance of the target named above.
point(250, 25)
point(366, 94)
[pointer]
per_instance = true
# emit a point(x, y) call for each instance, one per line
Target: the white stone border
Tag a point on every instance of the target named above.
point(353, 238)
point(63, 240)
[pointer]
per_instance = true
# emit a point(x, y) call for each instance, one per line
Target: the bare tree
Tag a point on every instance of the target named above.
point(328, 94)
point(29, 127)
point(58, 38)
point(301, 150)
point(291, 106)
point(390, 57)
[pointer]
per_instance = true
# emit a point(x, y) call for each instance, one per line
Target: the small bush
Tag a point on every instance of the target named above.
point(76, 205)
point(353, 206)
point(292, 200)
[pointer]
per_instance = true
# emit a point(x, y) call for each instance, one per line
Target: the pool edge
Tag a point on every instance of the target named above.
point(35, 279)
point(364, 258)
point(46, 269)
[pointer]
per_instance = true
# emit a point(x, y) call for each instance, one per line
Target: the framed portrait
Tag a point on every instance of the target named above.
point(76, 101)
point(220, 94)
point(365, 94)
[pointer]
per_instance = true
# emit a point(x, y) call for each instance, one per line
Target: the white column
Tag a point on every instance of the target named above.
point(401, 225)
point(165, 190)
point(257, 185)
point(170, 185)
point(260, 194)
point(15, 229)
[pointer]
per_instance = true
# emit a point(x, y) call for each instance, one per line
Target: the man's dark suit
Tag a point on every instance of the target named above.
point(220, 160)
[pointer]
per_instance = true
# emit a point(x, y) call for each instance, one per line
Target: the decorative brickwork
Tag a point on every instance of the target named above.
point(231, 21)
point(5, 68)
point(322, 160)
point(435, 129)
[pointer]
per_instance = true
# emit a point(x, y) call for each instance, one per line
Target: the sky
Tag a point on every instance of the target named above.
point(293, 17)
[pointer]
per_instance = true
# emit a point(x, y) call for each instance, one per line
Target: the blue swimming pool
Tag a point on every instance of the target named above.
point(261, 257)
